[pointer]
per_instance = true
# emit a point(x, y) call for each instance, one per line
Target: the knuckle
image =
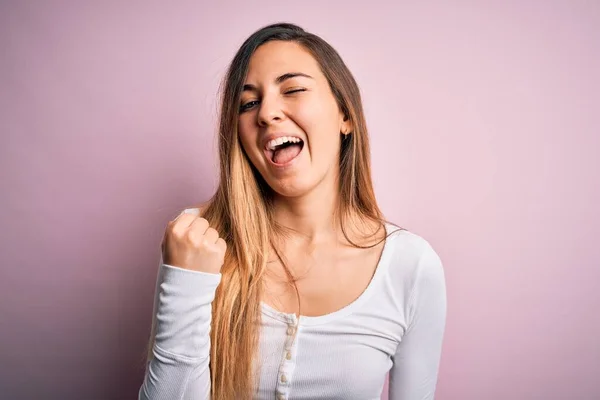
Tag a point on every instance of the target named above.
point(200, 224)
point(178, 234)
point(194, 238)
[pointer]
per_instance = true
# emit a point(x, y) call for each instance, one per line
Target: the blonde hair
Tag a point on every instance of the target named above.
point(240, 211)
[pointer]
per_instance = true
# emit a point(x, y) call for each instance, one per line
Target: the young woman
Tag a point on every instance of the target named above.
point(289, 283)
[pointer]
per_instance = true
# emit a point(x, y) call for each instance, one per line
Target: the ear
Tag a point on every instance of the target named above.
point(345, 126)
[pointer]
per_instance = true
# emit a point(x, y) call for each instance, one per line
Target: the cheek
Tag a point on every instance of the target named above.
point(247, 134)
point(320, 122)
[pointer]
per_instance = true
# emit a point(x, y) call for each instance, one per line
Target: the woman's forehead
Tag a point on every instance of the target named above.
point(276, 58)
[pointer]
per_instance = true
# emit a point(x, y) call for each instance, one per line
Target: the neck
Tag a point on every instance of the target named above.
point(312, 217)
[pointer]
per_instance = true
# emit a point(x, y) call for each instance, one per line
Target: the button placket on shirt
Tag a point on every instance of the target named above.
point(288, 362)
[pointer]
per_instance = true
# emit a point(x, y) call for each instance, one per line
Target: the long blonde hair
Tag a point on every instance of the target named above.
point(240, 210)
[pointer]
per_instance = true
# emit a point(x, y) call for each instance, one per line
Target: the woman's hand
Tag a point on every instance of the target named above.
point(189, 242)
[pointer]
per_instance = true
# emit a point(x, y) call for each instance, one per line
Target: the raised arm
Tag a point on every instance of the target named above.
point(178, 364)
point(188, 276)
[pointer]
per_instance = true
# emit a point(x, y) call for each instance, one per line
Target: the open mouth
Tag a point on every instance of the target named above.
point(284, 149)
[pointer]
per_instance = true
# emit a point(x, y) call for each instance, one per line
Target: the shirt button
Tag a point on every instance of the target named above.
point(288, 355)
point(283, 378)
point(290, 331)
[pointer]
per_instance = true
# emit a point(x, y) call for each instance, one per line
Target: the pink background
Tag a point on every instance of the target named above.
point(485, 133)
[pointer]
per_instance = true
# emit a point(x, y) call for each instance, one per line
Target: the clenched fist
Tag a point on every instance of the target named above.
point(190, 243)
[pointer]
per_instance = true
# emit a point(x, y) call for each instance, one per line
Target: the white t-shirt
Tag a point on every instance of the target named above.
point(396, 325)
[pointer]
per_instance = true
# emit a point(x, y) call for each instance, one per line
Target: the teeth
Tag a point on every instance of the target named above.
point(272, 144)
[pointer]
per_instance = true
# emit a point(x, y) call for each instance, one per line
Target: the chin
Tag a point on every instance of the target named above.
point(291, 187)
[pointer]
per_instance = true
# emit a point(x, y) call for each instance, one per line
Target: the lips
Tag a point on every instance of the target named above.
point(273, 136)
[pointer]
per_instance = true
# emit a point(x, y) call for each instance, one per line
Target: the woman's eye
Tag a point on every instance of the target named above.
point(248, 105)
point(295, 90)
point(251, 104)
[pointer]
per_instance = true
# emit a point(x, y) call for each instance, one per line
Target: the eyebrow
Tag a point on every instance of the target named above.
point(278, 80)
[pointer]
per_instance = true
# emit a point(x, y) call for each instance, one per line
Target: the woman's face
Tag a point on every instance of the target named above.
point(290, 122)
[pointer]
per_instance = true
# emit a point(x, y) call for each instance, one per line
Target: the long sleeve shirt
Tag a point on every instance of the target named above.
point(395, 326)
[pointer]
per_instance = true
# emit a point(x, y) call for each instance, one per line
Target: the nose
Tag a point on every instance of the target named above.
point(270, 111)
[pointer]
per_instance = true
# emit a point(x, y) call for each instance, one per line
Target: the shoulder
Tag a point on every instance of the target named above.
point(411, 260)
point(408, 247)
